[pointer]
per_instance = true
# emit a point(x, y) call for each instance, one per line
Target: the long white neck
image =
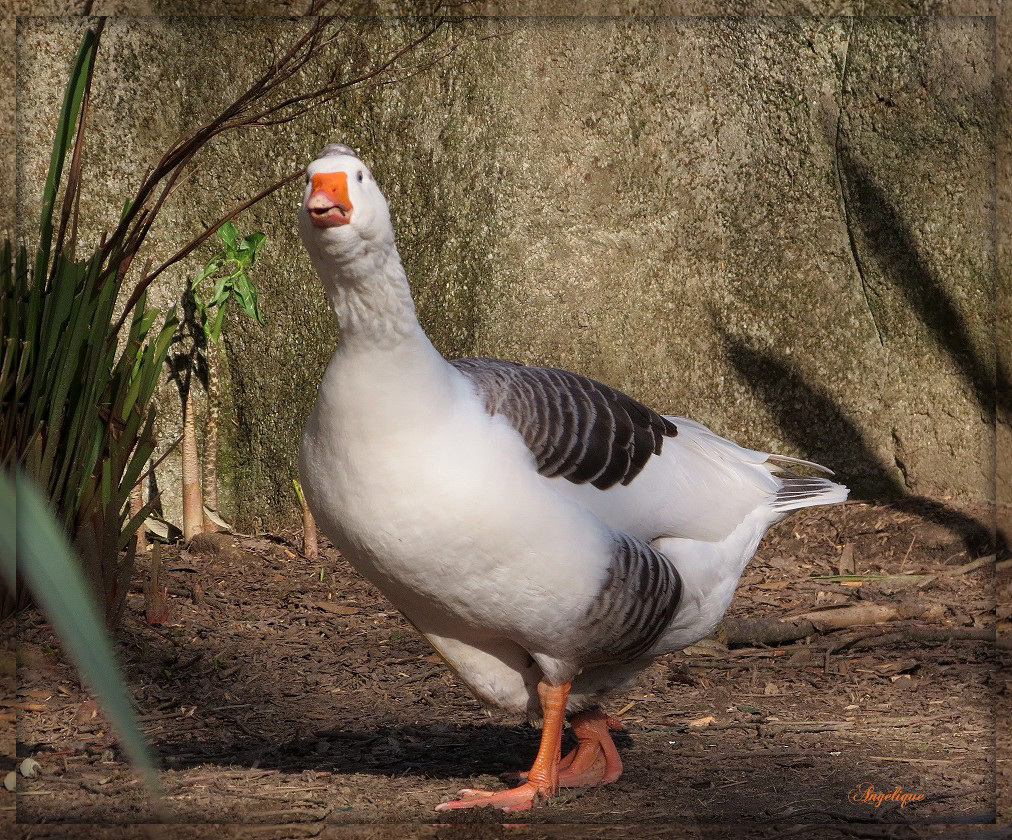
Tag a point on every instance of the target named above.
point(385, 374)
point(369, 293)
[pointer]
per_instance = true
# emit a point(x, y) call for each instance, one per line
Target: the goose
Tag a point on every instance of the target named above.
point(547, 534)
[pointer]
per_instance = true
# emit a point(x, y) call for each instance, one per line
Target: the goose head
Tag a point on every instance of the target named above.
point(343, 215)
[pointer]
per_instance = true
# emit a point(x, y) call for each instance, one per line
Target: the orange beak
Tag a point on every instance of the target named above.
point(329, 204)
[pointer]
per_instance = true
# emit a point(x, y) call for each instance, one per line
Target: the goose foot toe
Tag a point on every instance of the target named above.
point(520, 798)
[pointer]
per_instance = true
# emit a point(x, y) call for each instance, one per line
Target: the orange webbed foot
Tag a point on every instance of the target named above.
point(543, 777)
point(595, 761)
point(521, 798)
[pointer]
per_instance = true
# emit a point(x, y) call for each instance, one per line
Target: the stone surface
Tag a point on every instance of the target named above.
point(781, 227)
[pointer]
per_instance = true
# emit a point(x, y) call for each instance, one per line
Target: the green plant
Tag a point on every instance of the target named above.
point(50, 395)
point(75, 392)
point(46, 561)
point(229, 268)
point(310, 541)
point(75, 395)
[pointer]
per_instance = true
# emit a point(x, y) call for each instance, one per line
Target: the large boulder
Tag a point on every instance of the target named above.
point(781, 227)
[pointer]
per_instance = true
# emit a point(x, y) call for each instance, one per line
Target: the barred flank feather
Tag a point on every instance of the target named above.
point(635, 605)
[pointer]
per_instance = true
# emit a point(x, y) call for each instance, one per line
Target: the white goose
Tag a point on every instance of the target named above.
point(547, 534)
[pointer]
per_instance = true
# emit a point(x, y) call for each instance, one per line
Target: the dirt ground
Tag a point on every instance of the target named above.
point(283, 692)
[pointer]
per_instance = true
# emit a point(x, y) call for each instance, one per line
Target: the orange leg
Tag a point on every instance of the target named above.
point(543, 777)
point(595, 761)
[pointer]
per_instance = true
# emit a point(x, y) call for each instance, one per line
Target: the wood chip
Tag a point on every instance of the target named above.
point(846, 562)
point(336, 609)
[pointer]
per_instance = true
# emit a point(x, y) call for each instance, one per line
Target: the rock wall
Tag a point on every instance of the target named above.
point(782, 227)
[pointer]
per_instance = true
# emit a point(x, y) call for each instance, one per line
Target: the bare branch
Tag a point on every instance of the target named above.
point(157, 462)
point(190, 246)
point(337, 86)
point(261, 104)
point(188, 144)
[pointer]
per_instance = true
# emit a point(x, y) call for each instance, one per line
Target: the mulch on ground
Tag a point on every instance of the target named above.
point(285, 692)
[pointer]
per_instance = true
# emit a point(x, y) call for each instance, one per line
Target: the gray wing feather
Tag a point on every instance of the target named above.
point(635, 605)
point(576, 427)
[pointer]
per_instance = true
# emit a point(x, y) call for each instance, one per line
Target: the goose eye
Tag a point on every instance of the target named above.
point(359, 176)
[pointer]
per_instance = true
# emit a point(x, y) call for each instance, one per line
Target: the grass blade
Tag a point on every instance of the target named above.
point(64, 131)
point(46, 561)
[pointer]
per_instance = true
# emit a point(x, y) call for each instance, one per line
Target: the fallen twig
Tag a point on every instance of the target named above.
point(840, 618)
point(755, 631)
point(920, 634)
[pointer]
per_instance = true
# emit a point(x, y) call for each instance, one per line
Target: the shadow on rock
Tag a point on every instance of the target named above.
point(798, 407)
point(892, 245)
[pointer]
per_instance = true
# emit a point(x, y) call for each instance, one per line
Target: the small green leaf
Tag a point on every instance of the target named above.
point(228, 233)
point(213, 265)
point(251, 244)
point(257, 315)
point(247, 295)
point(214, 331)
point(221, 292)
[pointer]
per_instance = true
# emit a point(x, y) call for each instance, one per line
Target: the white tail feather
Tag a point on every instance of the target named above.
point(800, 491)
point(776, 460)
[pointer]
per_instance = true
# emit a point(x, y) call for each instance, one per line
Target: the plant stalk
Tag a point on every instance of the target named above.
point(211, 435)
point(310, 542)
point(136, 505)
point(193, 504)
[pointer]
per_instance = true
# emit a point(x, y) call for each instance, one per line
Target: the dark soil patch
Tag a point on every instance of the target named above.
point(292, 693)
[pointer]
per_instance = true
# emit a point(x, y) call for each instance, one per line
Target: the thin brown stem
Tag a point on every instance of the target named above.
point(250, 109)
point(193, 505)
point(211, 433)
point(136, 505)
point(238, 113)
point(144, 476)
point(337, 86)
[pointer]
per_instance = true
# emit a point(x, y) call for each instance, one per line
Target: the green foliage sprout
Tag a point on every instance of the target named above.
point(230, 268)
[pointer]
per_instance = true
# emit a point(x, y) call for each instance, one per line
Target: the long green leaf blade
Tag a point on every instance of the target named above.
point(46, 561)
point(61, 144)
